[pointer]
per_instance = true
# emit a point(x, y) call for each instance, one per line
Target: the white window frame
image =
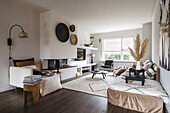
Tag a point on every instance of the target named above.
point(103, 57)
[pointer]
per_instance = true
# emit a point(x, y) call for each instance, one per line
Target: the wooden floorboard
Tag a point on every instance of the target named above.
point(61, 101)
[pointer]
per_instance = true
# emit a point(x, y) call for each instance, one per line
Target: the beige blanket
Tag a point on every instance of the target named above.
point(137, 102)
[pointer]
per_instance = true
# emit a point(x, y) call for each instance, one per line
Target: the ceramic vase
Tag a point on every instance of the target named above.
point(138, 65)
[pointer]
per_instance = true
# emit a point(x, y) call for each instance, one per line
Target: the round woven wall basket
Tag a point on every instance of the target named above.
point(74, 39)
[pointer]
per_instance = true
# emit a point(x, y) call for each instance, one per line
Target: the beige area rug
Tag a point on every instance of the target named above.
point(98, 86)
point(87, 84)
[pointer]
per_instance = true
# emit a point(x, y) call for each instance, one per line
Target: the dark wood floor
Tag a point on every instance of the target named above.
point(61, 101)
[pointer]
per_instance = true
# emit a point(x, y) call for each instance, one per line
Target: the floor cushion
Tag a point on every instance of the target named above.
point(50, 84)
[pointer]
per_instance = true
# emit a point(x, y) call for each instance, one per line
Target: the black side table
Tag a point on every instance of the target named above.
point(99, 72)
point(136, 76)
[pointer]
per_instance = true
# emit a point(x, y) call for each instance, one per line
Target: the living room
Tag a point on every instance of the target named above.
point(74, 39)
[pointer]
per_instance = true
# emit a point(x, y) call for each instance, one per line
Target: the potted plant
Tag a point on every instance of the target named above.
point(140, 50)
point(92, 41)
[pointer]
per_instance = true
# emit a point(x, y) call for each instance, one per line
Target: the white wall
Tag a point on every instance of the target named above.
point(12, 13)
point(54, 49)
point(98, 53)
point(147, 33)
point(83, 36)
point(155, 33)
point(51, 47)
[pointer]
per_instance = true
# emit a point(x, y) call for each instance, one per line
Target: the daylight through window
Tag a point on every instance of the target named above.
point(117, 48)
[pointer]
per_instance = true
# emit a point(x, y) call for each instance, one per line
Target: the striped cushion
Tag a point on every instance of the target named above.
point(147, 66)
point(150, 74)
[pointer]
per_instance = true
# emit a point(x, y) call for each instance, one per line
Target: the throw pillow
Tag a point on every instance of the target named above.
point(147, 66)
point(25, 63)
point(146, 62)
point(30, 67)
point(17, 61)
point(155, 67)
point(119, 71)
point(50, 84)
point(150, 74)
point(125, 73)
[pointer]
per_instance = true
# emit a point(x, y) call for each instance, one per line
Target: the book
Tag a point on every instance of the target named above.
point(37, 82)
point(32, 77)
point(31, 81)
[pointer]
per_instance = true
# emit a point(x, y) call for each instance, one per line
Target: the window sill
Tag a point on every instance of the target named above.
point(122, 61)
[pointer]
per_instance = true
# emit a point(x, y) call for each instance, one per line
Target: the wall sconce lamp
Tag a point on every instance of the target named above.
point(9, 40)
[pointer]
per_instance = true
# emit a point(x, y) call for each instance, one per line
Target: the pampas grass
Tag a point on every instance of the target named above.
point(133, 54)
point(139, 49)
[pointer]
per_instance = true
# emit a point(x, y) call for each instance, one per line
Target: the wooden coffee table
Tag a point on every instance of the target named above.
point(99, 72)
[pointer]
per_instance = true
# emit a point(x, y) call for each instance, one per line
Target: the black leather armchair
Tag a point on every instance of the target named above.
point(108, 65)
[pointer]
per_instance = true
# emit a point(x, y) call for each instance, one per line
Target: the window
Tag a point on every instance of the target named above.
point(117, 48)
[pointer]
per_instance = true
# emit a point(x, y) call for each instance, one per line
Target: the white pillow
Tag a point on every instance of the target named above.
point(50, 84)
point(30, 67)
point(147, 66)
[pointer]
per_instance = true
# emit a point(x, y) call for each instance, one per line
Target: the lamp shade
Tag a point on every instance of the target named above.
point(23, 35)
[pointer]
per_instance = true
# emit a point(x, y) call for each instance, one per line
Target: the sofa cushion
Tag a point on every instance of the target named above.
point(118, 71)
point(150, 74)
point(36, 70)
point(106, 66)
point(24, 62)
point(146, 62)
point(125, 72)
point(30, 66)
point(155, 67)
point(147, 66)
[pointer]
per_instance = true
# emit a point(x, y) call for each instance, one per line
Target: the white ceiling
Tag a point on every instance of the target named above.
point(98, 16)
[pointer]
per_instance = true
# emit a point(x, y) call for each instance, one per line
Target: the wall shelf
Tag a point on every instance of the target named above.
point(85, 68)
point(90, 48)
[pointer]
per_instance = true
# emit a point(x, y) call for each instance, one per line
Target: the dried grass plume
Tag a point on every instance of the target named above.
point(140, 49)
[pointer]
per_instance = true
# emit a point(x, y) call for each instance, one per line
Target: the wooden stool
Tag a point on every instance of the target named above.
point(35, 89)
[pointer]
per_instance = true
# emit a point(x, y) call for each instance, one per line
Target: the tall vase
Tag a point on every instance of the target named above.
point(138, 65)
